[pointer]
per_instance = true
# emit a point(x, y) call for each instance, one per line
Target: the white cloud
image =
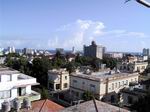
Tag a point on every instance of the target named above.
point(77, 34)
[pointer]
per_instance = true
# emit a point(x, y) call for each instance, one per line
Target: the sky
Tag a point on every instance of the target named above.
point(50, 24)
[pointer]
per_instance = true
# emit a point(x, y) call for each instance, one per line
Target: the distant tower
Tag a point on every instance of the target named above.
point(94, 50)
point(73, 49)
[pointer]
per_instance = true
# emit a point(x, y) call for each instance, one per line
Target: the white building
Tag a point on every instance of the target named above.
point(11, 49)
point(114, 54)
point(132, 67)
point(14, 84)
point(104, 84)
point(58, 80)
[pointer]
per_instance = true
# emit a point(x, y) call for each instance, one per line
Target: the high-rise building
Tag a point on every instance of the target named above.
point(146, 52)
point(11, 49)
point(28, 51)
point(94, 50)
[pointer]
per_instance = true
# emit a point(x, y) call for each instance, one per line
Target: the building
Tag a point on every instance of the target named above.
point(132, 67)
point(146, 52)
point(58, 80)
point(90, 106)
point(11, 49)
point(104, 85)
point(2, 60)
point(114, 55)
point(27, 51)
point(131, 95)
point(94, 50)
point(14, 84)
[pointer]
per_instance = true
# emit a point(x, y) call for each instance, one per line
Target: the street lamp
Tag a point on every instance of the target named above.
point(143, 2)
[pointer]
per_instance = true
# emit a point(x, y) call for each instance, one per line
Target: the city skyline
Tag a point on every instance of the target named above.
point(63, 24)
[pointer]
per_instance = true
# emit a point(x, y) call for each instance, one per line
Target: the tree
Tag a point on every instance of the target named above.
point(87, 96)
point(110, 62)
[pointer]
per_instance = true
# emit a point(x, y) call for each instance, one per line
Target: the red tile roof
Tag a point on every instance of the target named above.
point(46, 106)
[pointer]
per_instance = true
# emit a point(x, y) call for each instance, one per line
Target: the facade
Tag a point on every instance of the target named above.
point(14, 84)
point(58, 80)
point(94, 50)
point(104, 85)
point(89, 106)
point(132, 67)
point(11, 49)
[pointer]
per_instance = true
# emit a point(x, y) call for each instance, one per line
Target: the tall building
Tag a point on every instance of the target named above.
point(11, 49)
point(94, 50)
point(28, 51)
point(14, 84)
point(146, 52)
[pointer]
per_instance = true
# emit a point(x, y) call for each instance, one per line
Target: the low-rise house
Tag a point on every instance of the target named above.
point(15, 85)
point(104, 85)
point(93, 106)
point(58, 80)
point(133, 67)
point(132, 95)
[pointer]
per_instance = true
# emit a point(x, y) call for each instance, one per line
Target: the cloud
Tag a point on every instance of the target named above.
point(77, 34)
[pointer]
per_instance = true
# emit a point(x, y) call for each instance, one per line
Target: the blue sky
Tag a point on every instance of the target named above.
point(47, 24)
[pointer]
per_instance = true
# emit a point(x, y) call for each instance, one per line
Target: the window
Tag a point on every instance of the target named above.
point(21, 91)
point(92, 88)
point(122, 83)
point(126, 82)
point(65, 77)
point(116, 85)
point(5, 94)
point(57, 86)
point(112, 86)
point(119, 85)
point(65, 85)
point(8, 78)
point(74, 81)
point(135, 80)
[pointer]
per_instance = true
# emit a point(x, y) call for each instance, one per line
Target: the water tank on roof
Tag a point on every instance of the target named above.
point(17, 104)
point(26, 103)
point(5, 106)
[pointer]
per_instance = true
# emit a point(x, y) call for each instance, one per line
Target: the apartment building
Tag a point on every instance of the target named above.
point(14, 84)
point(104, 84)
point(94, 50)
point(58, 80)
point(133, 67)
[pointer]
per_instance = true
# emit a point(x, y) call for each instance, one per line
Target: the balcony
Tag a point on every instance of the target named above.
point(32, 97)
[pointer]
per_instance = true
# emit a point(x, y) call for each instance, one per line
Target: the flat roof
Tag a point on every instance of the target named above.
point(100, 76)
point(90, 107)
point(7, 71)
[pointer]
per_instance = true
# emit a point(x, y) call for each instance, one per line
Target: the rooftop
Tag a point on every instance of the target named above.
point(7, 71)
point(90, 107)
point(46, 106)
point(57, 71)
point(103, 75)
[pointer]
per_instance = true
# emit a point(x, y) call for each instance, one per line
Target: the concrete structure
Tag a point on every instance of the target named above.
point(90, 106)
point(94, 50)
point(58, 80)
point(114, 55)
point(14, 84)
point(11, 49)
point(132, 95)
point(146, 52)
point(28, 51)
point(103, 84)
point(132, 67)
point(2, 60)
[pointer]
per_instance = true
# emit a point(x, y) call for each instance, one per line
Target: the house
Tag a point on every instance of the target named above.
point(133, 67)
point(105, 85)
point(15, 85)
point(58, 80)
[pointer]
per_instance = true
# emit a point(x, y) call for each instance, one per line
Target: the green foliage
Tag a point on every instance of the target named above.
point(110, 62)
point(87, 96)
